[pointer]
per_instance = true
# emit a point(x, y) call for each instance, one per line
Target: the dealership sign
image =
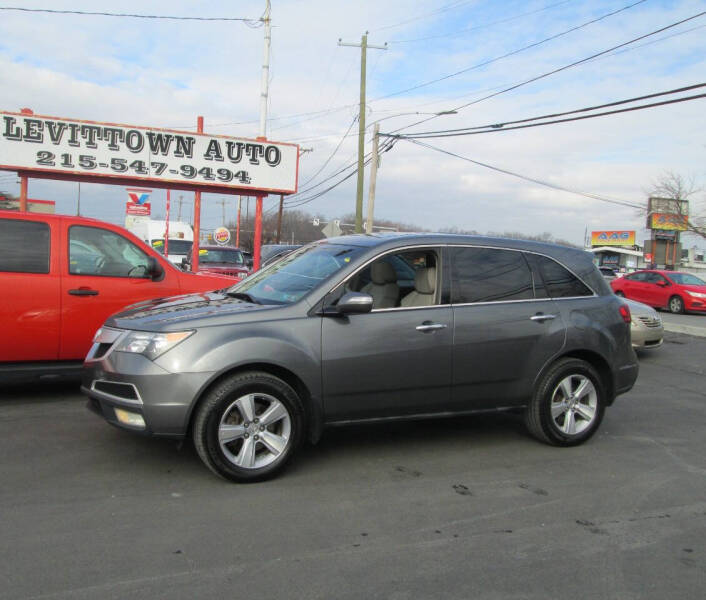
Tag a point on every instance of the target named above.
point(612, 238)
point(46, 146)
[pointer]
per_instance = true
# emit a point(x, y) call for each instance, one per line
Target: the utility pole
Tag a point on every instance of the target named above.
point(264, 88)
point(279, 217)
point(181, 200)
point(361, 128)
point(373, 178)
point(222, 202)
point(237, 226)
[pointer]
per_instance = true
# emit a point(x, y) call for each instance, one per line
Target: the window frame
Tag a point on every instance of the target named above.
point(442, 288)
point(536, 273)
point(68, 253)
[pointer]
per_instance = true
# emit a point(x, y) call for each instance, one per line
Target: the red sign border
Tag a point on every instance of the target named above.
point(161, 183)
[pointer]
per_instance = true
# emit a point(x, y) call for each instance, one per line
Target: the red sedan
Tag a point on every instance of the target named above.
point(675, 291)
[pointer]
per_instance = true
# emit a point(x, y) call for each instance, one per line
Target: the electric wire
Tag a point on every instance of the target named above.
point(514, 52)
point(523, 123)
point(441, 9)
point(250, 22)
point(483, 26)
point(563, 68)
point(530, 179)
point(328, 160)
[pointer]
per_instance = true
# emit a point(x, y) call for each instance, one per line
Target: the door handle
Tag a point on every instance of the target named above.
point(542, 317)
point(83, 292)
point(424, 327)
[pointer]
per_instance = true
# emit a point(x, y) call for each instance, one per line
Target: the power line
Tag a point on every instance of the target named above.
point(564, 68)
point(522, 123)
point(530, 179)
point(345, 135)
point(523, 49)
point(438, 11)
point(483, 26)
point(251, 22)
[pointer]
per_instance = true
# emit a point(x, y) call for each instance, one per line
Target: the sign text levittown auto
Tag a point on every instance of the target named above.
point(103, 150)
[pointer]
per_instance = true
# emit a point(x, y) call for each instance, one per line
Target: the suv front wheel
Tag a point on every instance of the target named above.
point(568, 404)
point(248, 426)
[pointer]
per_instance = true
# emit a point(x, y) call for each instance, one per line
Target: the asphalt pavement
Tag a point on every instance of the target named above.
point(692, 323)
point(462, 508)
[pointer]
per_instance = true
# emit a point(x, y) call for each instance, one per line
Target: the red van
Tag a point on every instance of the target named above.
point(62, 276)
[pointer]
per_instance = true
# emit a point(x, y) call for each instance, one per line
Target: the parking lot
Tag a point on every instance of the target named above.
point(463, 508)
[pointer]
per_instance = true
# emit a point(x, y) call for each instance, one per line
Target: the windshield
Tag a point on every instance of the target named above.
point(219, 255)
point(288, 279)
point(686, 279)
point(175, 246)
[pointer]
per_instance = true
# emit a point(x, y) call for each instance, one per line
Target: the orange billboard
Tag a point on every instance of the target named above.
point(612, 238)
point(670, 222)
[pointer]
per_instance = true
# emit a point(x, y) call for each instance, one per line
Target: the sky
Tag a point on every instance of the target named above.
point(164, 73)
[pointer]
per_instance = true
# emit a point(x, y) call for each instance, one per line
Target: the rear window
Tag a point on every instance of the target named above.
point(560, 282)
point(24, 246)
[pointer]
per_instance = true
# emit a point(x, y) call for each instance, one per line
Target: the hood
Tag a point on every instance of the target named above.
point(223, 268)
point(186, 311)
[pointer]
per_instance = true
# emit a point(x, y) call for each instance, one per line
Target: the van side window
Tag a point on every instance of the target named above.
point(561, 283)
point(24, 246)
point(489, 275)
point(97, 251)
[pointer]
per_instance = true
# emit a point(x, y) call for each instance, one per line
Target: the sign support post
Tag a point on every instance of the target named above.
point(237, 225)
point(166, 229)
point(197, 214)
point(258, 234)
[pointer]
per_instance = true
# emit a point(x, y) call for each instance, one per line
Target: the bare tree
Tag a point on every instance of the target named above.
point(679, 187)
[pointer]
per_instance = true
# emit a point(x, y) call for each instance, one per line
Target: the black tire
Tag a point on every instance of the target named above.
point(219, 400)
point(538, 414)
point(676, 305)
point(620, 294)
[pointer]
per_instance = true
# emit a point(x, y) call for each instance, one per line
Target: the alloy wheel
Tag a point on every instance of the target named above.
point(254, 431)
point(574, 404)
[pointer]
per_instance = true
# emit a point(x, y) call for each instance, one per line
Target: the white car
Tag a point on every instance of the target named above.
point(646, 327)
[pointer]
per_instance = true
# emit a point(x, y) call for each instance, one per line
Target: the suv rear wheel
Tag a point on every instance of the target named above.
point(248, 426)
point(568, 404)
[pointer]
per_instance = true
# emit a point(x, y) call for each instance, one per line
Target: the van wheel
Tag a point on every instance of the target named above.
point(248, 426)
point(568, 404)
point(676, 305)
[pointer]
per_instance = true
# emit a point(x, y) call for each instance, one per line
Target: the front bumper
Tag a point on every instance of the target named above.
point(133, 383)
point(646, 337)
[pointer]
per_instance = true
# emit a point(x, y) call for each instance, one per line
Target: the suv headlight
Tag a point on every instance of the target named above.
point(695, 294)
point(150, 344)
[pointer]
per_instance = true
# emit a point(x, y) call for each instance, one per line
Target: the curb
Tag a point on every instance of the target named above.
point(688, 329)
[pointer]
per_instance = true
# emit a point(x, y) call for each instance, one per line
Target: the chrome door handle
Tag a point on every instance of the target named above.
point(541, 317)
point(431, 326)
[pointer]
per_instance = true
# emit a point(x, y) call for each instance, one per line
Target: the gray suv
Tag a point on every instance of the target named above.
point(368, 328)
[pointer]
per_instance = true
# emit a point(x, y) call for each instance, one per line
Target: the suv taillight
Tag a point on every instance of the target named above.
point(625, 312)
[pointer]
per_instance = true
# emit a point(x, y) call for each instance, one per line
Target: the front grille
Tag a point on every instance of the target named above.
point(651, 321)
point(126, 391)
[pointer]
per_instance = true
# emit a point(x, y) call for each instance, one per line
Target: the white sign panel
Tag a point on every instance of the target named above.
point(90, 149)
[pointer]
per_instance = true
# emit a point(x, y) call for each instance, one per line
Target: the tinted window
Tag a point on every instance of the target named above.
point(24, 246)
point(96, 251)
point(489, 275)
point(654, 278)
point(560, 282)
point(686, 279)
point(642, 276)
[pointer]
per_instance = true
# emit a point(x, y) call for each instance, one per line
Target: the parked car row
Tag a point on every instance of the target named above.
point(670, 290)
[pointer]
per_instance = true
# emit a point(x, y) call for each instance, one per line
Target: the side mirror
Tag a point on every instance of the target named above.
point(662, 283)
point(154, 269)
point(354, 303)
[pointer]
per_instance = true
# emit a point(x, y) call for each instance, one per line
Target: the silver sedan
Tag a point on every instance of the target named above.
point(646, 327)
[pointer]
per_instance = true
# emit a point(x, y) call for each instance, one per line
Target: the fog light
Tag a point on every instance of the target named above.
point(129, 418)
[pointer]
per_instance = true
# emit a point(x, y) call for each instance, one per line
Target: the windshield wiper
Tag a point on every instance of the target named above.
point(243, 296)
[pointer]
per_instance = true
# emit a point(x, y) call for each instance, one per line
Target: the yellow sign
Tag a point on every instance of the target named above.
point(612, 238)
point(670, 222)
